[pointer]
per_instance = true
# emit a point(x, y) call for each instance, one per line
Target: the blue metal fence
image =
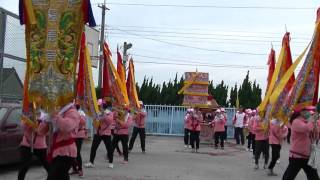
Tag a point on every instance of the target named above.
point(169, 120)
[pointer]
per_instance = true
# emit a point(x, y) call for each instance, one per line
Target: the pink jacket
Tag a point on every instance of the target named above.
point(250, 124)
point(277, 133)
point(300, 140)
point(139, 120)
point(82, 131)
point(123, 128)
point(106, 124)
point(196, 121)
point(187, 122)
point(259, 131)
point(39, 141)
point(218, 124)
point(67, 125)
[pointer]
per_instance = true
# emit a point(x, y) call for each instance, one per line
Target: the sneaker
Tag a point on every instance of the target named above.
point(81, 174)
point(192, 150)
point(143, 152)
point(278, 161)
point(251, 150)
point(197, 151)
point(124, 162)
point(265, 166)
point(271, 173)
point(256, 167)
point(74, 172)
point(89, 165)
point(185, 146)
point(247, 149)
point(110, 166)
point(190, 147)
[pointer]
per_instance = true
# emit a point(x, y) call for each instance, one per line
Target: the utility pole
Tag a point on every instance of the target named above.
point(126, 46)
point(104, 8)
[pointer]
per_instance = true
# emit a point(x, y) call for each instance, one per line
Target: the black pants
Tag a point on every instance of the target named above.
point(225, 132)
point(219, 136)
point(117, 145)
point(124, 141)
point(77, 165)
point(95, 144)
point(59, 168)
point(238, 135)
point(142, 134)
point(295, 165)
point(26, 160)
point(187, 134)
point(275, 155)
point(195, 139)
point(251, 140)
point(289, 135)
point(262, 146)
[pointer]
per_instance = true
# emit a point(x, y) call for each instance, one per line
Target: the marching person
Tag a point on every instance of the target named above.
point(277, 133)
point(64, 150)
point(223, 112)
point(250, 137)
point(302, 126)
point(34, 143)
point(239, 122)
point(139, 128)
point(81, 134)
point(103, 133)
point(121, 132)
point(261, 140)
point(218, 125)
point(195, 119)
point(187, 128)
point(254, 118)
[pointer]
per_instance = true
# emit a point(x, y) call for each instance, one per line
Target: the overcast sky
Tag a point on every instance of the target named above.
point(235, 39)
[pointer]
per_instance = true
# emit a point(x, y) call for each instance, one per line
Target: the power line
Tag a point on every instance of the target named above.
point(212, 6)
point(202, 34)
point(199, 48)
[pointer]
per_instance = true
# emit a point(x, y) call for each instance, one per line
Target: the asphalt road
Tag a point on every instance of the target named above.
point(167, 159)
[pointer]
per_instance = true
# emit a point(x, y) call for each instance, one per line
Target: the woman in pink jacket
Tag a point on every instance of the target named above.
point(187, 128)
point(301, 129)
point(218, 125)
point(262, 144)
point(195, 120)
point(139, 128)
point(81, 134)
point(39, 145)
point(103, 133)
point(64, 150)
point(277, 133)
point(121, 133)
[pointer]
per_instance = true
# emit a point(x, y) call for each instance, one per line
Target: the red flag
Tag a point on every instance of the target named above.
point(272, 64)
point(106, 89)
point(120, 68)
point(81, 75)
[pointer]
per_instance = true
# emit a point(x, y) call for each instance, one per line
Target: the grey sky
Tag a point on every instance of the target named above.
point(204, 28)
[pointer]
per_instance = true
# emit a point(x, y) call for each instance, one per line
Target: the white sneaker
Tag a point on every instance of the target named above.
point(278, 161)
point(251, 150)
point(247, 149)
point(189, 146)
point(185, 146)
point(89, 165)
point(265, 166)
point(110, 166)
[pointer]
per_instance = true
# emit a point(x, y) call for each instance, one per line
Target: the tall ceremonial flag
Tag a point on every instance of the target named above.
point(120, 68)
point(52, 32)
point(118, 87)
point(86, 93)
point(106, 85)
point(237, 101)
point(286, 62)
point(272, 64)
point(131, 87)
point(304, 91)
